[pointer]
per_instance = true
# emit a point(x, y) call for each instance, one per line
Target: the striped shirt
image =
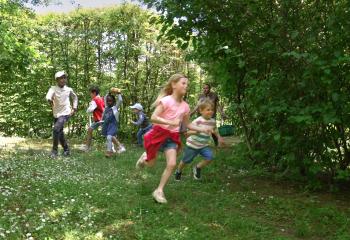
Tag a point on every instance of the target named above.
point(201, 140)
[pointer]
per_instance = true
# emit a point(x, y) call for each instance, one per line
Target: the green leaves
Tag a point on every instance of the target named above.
point(284, 67)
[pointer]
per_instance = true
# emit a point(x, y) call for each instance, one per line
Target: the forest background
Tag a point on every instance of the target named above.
point(280, 67)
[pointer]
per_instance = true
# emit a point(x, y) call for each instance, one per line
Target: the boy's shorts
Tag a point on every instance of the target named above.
point(168, 144)
point(191, 153)
point(95, 125)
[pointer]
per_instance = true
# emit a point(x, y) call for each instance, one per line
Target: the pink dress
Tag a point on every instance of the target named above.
point(173, 110)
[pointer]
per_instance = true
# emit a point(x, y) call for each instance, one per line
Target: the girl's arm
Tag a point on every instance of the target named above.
point(92, 107)
point(119, 100)
point(155, 118)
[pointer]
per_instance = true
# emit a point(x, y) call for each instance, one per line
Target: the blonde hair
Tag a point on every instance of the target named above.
point(206, 103)
point(168, 88)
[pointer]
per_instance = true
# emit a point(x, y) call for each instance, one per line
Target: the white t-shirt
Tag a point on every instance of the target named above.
point(61, 100)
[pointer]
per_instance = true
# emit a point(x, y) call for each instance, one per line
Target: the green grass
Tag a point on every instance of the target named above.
point(88, 196)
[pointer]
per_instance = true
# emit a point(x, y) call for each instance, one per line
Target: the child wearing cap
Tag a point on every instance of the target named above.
point(59, 98)
point(142, 121)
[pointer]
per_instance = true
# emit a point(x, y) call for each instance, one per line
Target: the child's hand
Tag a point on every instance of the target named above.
point(72, 112)
point(207, 131)
point(189, 133)
point(175, 123)
point(221, 141)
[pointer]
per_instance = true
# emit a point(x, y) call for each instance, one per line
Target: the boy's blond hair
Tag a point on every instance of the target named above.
point(205, 103)
point(167, 88)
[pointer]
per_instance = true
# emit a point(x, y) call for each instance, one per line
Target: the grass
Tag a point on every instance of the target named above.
point(88, 196)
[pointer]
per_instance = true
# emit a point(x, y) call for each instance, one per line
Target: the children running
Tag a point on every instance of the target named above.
point(110, 126)
point(198, 143)
point(59, 99)
point(96, 107)
point(170, 111)
point(142, 122)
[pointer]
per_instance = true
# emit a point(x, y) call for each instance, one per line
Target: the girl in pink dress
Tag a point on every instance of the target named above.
point(170, 111)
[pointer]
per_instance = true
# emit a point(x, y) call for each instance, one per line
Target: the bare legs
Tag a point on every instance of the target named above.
point(170, 155)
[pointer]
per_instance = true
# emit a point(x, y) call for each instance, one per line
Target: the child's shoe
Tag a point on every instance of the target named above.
point(66, 153)
point(53, 154)
point(196, 173)
point(159, 196)
point(108, 154)
point(141, 162)
point(121, 149)
point(113, 149)
point(178, 175)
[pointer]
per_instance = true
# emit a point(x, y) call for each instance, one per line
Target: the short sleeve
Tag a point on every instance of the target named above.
point(187, 109)
point(165, 101)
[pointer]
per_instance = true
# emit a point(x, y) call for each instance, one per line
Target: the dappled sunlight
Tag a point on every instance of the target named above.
point(10, 142)
point(88, 196)
point(117, 226)
point(17, 144)
point(72, 235)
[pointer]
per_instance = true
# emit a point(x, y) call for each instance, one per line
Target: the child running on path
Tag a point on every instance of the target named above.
point(170, 111)
point(142, 122)
point(96, 107)
point(59, 99)
point(198, 143)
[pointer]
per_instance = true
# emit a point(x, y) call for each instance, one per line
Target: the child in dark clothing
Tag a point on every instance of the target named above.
point(142, 122)
point(109, 127)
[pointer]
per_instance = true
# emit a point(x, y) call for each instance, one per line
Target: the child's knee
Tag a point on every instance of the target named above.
point(57, 129)
point(171, 164)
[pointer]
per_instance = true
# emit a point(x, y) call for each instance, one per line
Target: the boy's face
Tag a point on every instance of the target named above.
point(61, 81)
point(92, 94)
point(207, 112)
point(135, 110)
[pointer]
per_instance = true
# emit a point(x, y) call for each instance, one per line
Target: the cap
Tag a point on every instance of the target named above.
point(137, 106)
point(60, 74)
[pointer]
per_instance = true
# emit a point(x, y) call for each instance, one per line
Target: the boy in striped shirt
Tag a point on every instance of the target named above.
point(198, 143)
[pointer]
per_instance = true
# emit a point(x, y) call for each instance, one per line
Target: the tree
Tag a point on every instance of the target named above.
point(285, 67)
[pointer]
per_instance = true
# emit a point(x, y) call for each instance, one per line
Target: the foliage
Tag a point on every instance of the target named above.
point(115, 46)
point(284, 65)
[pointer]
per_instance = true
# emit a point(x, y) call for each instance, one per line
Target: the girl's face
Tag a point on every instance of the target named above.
point(207, 112)
point(109, 102)
point(181, 86)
